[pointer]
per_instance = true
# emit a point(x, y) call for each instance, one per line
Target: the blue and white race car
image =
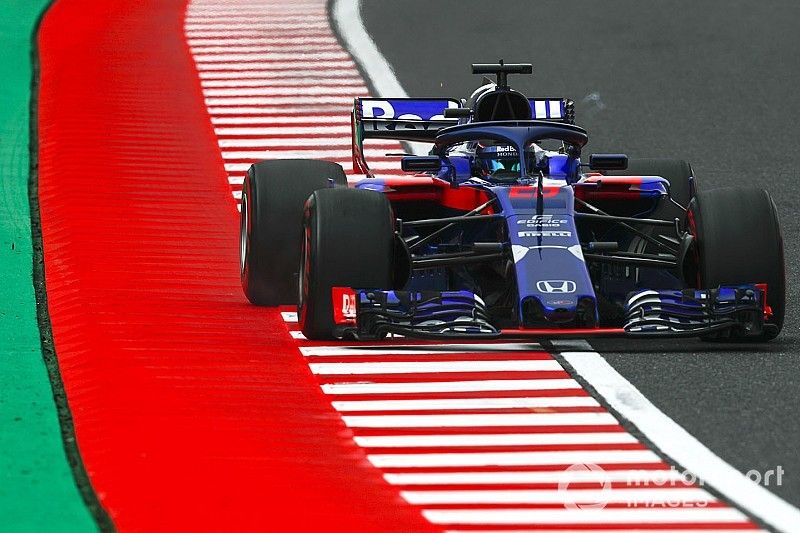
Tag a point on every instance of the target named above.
point(501, 229)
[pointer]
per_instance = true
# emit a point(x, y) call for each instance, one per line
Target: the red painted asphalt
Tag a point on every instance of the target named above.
point(196, 411)
point(193, 410)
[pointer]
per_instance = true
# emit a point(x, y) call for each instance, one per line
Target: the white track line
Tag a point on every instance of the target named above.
point(450, 386)
point(481, 420)
point(256, 66)
point(344, 101)
point(490, 439)
point(465, 403)
point(284, 130)
point(356, 84)
point(293, 91)
point(293, 75)
point(217, 33)
point(304, 111)
point(195, 28)
point(347, 17)
point(433, 460)
point(293, 154)
point(420, 367)
point(678, 444)
point(321, 58)
point(296, 142)
point(242, 167)
point(205, 44)
point(388, 168)
point(275, 120)
point(226, 48)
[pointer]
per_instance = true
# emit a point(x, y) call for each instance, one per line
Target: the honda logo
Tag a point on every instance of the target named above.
point(556, 286)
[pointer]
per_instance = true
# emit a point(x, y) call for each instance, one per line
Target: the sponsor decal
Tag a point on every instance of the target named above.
point(405, 114)
point(505, 150)
point(348, 305)
point(544, 221)
point(560, 302)
point(556, 286)
point(545, 234)
point(344, 305)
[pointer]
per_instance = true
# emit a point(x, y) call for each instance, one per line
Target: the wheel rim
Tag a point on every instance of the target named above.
point(243, 237)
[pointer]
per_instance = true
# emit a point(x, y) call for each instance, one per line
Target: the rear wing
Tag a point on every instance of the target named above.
point(401, 119)
point(406, 119)
point(420, 119)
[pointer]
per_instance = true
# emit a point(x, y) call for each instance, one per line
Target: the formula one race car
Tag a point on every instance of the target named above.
point(501, 229)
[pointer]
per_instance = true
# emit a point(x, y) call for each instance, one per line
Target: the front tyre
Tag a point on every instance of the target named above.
point(738, 241)
point(348, 241)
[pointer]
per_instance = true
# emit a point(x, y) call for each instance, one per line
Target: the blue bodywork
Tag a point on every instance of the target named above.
point(551, 275)
point(547, 253)
point(547, 282)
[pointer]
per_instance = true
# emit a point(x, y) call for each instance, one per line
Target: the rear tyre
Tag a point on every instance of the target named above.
point(273, 195)
point(738, 241)
point(348, 241)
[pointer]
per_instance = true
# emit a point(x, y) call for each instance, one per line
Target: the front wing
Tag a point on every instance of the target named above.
point(738, 311)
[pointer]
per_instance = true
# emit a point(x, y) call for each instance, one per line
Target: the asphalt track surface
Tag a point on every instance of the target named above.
point(712, 82)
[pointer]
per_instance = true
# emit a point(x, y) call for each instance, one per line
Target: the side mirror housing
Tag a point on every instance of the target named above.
point(608, 162)
point(457, 112)
point(422, 163)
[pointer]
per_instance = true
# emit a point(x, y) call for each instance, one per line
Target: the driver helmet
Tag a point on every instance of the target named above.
point(501, 161)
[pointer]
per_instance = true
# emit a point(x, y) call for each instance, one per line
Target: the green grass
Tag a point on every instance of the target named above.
point(37, 488)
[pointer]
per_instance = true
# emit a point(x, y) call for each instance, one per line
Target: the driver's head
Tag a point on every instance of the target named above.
point(498, 160)
point(501, 162)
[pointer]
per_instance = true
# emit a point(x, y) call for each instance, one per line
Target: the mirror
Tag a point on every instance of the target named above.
point(608, 162)
point(457, 112)
point(421, 163)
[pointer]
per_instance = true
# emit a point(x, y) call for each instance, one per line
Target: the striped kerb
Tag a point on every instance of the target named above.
point(489, 436)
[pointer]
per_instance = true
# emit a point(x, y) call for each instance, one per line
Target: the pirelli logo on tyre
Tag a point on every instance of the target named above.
point(556, 286)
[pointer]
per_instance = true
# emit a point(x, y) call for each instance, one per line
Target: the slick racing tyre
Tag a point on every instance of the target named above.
point(738, 241)
point(348, 241)
point(273, 195)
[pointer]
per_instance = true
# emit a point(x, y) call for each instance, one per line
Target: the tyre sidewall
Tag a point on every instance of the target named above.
point(348, 241)
point(738, 240)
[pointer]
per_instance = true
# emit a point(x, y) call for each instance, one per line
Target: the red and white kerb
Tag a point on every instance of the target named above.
point(478, 436)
